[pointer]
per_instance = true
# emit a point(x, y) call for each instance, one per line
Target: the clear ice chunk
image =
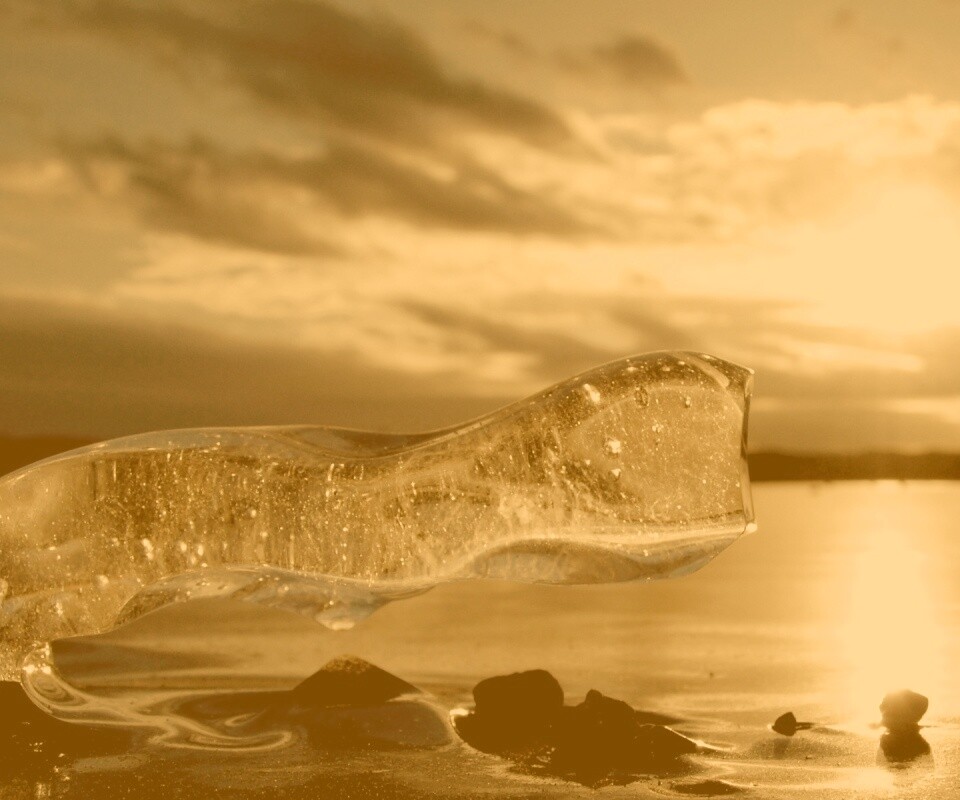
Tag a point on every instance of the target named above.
point(634, 470)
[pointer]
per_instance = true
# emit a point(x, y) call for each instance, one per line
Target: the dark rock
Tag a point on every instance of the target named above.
point(607, 717)
point(595, 736)
point(350, 681)
point(902, 710)
point(522, 716)
point(603, 734)
point(519, 696)
point(514, 715)
point(348, 704)
point(496, 735)
point(351, 704)
point(786, 724)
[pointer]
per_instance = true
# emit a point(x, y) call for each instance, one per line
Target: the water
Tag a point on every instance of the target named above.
point(847, 591)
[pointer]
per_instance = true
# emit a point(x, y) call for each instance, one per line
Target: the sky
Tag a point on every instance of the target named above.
point(399, 215)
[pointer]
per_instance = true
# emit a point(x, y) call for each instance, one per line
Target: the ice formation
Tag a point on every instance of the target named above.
point(633, 470)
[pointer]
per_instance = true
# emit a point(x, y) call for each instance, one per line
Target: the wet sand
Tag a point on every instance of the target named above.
point(847, 591)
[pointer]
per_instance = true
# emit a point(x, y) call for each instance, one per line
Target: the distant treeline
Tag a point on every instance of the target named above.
point(16, 452)
point(854, 466)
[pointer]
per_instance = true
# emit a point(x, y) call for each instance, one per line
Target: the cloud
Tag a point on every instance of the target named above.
point(100, 369)
point(417, 250)
point(488, 325)
point(389, 135)
point(485, 321)
point(313, 60)
point(851, 27)
point(276, 202)
point(855, 427)
point(635, 60)
point(92, 369)
point(869, 134)
point(731, 170)
point(506, 40)
point(736, 170)
point(640, 59)
point(459, 193)
point(845, 19)
point(756, 163)
point(555, 335)
point(189, 190)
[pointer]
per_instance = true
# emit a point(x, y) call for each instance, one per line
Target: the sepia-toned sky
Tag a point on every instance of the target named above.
point(401, 214)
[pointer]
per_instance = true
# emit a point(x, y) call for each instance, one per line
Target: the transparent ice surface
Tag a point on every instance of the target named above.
point(634, 470)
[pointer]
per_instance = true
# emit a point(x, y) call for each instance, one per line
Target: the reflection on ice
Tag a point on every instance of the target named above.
point(347, 704)
point(635, 470)
point(900, 748)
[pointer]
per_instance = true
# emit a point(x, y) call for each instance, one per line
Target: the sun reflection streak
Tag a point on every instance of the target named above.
point(890, 634)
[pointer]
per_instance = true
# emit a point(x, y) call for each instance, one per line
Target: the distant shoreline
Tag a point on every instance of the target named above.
point(776, 466)
point(765, 466)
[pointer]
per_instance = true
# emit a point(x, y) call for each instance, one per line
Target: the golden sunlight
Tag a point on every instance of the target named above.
point(889, 632)
point(887, 265)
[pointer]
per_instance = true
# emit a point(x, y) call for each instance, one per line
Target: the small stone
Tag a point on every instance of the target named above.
point(902, 710)
point(786, 724)
point(350, 681)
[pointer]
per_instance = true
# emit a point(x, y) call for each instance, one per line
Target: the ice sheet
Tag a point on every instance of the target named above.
point(634, 470)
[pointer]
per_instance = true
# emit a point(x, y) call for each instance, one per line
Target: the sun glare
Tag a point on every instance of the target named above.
point(887, 265)
point(889, 632)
